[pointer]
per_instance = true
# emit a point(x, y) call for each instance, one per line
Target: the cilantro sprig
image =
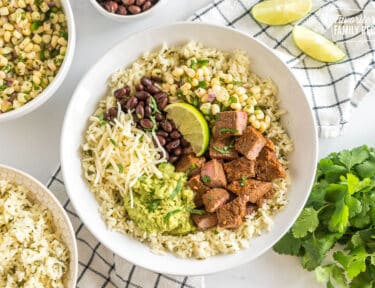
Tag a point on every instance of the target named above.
point(340, 210)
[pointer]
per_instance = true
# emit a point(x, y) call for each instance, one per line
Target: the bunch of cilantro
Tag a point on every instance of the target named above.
point(339, 214)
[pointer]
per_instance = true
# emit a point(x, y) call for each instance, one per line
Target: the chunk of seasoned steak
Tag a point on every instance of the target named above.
point(231, 215)
point(230, 123)
point(222, 148)
point(215, 198)
point(190, 164)
point(250, 143)
point(269, 145)
point(205, 221)
point(269, 195)
point(212, 174)
point(268, 167)
point(240, 168)
point(251, 190)
point(195, 183)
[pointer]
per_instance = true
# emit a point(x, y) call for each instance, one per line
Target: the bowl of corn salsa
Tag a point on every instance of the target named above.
point(37, 41)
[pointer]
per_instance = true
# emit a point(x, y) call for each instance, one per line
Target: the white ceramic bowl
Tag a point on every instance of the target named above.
point(60, 76)
point(299, 124)
point(41, 195)
point(129, 17)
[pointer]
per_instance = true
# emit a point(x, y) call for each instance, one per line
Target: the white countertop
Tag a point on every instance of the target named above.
point(32, 142)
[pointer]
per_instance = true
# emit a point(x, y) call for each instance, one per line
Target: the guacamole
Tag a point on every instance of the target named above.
point(162, 205)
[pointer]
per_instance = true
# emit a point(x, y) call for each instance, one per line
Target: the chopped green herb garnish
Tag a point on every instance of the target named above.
point(194, 64)
point(64, 34)
point(154, 105)
point(195, 101)
point(3, 87)
point(197, 211)
point(38, 2)
point(108, 166)
point(35, 25)
point(55, 9)
point(102, 122)
point(202, 84)
point(225, 149)
point(113, 142)
point(191, 168)
point(155, 125)
point(202, 62)
point(177, 189)
point(233, 99)
point(229, 130)
point(42, 55)
point(236, 83)
point(54, 53)
point(206, 178)
point(120, 168)
point(170, 214)
point(153, 205)
point(243, 181)
point(222, 79)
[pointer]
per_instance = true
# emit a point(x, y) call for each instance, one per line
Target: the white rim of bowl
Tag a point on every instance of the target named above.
point(48, 92)
point(123, 17)
point(212, 270)
point(57, 202)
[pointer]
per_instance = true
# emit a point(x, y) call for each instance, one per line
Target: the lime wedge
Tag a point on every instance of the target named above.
point(316, 46)
point(280, 12)
point(191, 124)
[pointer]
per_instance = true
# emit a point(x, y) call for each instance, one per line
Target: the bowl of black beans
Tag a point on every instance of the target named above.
point(125, 10)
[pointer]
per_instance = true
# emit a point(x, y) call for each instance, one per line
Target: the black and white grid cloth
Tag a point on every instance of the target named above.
point(333, 90)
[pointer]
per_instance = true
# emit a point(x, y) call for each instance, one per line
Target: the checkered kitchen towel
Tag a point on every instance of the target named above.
point(99, 267)
point(332, 89)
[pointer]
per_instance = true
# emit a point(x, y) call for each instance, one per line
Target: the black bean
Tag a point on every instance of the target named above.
point(140, 111)
point(184, 143)
point(166, 126)
point(160, 95)
point(133, 9)
point(142, 95)
point(156, 79)
point(148, 111)
point(162, 103)
point(173, 125)
point(140, 2)
point(111, 6)
point(147, 5)
point(123, 105)
point(177, 151)
point(152, 89)
point(162, 133)
point(159, 117)
point(173, 145)
point(139, 87)
point(121, 10)
point(173, 159)
point(148, 101)
point(128, 2)
point(106, 117)
point(175, 134)
point(146, 123)
point(132, 103)
point(112, 112)
point(162, 140)
point(146, 81)
point(120, 93)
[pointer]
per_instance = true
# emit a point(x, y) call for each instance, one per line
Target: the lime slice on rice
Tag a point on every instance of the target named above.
point(281, 12)
point(192, 125)
point(316, 45)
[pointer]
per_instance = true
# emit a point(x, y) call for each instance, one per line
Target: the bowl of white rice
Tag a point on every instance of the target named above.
point(38, 246)
point(279, 97)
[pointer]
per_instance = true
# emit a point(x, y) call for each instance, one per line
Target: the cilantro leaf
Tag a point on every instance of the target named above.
point(356, 156)
point(366, 169)
point(354, 263)
point(307, 222)
point(288, 245)
point(340, 218)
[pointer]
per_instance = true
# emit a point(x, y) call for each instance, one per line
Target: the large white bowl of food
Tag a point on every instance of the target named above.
point(189, 149)
point(38, 246)
point(37, 44)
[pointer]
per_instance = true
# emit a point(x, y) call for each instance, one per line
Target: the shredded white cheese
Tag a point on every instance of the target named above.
point(120, 153)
